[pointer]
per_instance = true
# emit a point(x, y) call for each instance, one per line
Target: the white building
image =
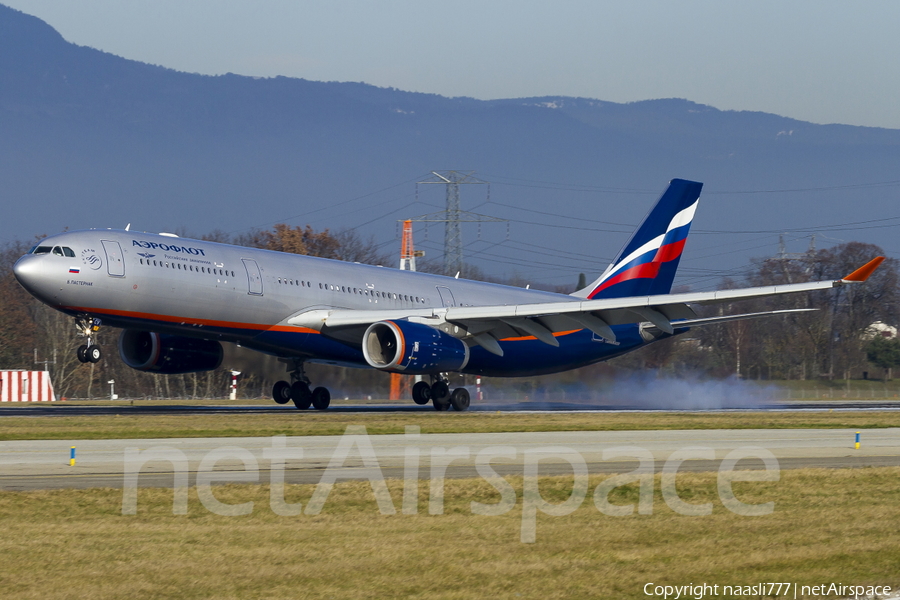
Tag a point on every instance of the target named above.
point(879, 329)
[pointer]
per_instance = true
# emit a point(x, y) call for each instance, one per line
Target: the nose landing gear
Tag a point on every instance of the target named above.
point(88, 327)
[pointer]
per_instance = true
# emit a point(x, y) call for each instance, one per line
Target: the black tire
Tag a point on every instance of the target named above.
point(440, 391)
point(94, 354)
point(421, 393)
point(321, 398)
point(281, 392)
point(459, 399)
point(301, 395)
point(81, 353)
point(440, 406)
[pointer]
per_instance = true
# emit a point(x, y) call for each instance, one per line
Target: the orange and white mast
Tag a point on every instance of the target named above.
point(408, 254)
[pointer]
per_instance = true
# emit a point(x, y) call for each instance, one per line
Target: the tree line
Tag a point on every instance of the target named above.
point(834, 341)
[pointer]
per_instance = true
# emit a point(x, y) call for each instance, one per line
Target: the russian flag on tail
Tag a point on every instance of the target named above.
point(647, 264)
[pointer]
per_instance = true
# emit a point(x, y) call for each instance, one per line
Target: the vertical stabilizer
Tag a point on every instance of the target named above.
point(647, 264)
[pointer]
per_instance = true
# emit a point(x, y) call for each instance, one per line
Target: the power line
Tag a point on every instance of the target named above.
point(452, 216)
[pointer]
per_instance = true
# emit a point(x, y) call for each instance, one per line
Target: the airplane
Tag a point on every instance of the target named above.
point(178, 300)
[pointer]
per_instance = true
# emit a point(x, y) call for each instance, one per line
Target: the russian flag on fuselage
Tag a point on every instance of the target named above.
point(647, 263)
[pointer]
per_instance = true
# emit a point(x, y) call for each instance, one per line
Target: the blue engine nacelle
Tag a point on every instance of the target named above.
point(168, 354)
point(412, 348)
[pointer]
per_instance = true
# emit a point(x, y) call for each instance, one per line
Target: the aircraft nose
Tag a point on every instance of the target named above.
point(28, 271)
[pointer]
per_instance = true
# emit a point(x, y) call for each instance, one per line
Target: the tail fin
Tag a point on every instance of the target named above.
point(647, 264)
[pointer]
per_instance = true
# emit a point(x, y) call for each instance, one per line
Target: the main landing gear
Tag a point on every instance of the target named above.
point(438, 393)
point(88, 327)
point(298, 391)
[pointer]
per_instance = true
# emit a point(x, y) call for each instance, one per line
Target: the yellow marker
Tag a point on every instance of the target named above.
point(72, 457)
point(857, 440)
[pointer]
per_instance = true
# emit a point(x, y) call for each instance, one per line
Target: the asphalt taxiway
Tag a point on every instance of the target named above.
point(27, 465)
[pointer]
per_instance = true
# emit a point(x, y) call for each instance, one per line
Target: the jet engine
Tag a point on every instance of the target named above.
point(168, 354)
point(412, 348)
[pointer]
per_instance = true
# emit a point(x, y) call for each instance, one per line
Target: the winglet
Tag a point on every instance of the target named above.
point(862, 273)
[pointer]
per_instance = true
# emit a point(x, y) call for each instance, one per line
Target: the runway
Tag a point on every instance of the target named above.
point(29, 465)
point(75, 409)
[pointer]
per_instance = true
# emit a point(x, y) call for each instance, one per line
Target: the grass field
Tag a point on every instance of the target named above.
point(131, 426)
point(827, 526)
point(836, 525)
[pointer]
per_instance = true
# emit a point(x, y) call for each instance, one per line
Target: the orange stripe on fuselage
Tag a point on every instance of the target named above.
point(252, 326)
point(191, 321)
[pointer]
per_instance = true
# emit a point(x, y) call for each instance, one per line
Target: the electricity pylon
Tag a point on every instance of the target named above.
point(453, 215)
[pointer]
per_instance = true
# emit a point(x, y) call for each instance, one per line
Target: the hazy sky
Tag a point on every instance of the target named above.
point(816, 60)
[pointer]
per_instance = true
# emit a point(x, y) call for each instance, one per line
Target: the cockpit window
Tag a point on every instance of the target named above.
point(68, 252)
point(42, 250)
point(57, 251)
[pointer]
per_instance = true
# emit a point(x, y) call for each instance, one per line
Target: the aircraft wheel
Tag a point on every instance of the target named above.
point(440, 404)
point(281, 392)
point(459, 399)
point(321, 398)
point(94, 354)
point(421, 393)
point(441, 390)
point(301, 395)
point(82, 354)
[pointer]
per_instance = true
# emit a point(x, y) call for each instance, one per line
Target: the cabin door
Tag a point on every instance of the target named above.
point(254, 278)
point(115, 265)
point(446, 296)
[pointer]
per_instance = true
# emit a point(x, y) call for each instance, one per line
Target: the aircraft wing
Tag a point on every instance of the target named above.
point(485, 325)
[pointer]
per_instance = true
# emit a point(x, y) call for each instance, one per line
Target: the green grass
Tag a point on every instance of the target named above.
point(131, 426)
point(827, 526)
point(838, 389)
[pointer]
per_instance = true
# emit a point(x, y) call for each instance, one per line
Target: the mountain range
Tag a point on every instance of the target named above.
point(89, 139)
